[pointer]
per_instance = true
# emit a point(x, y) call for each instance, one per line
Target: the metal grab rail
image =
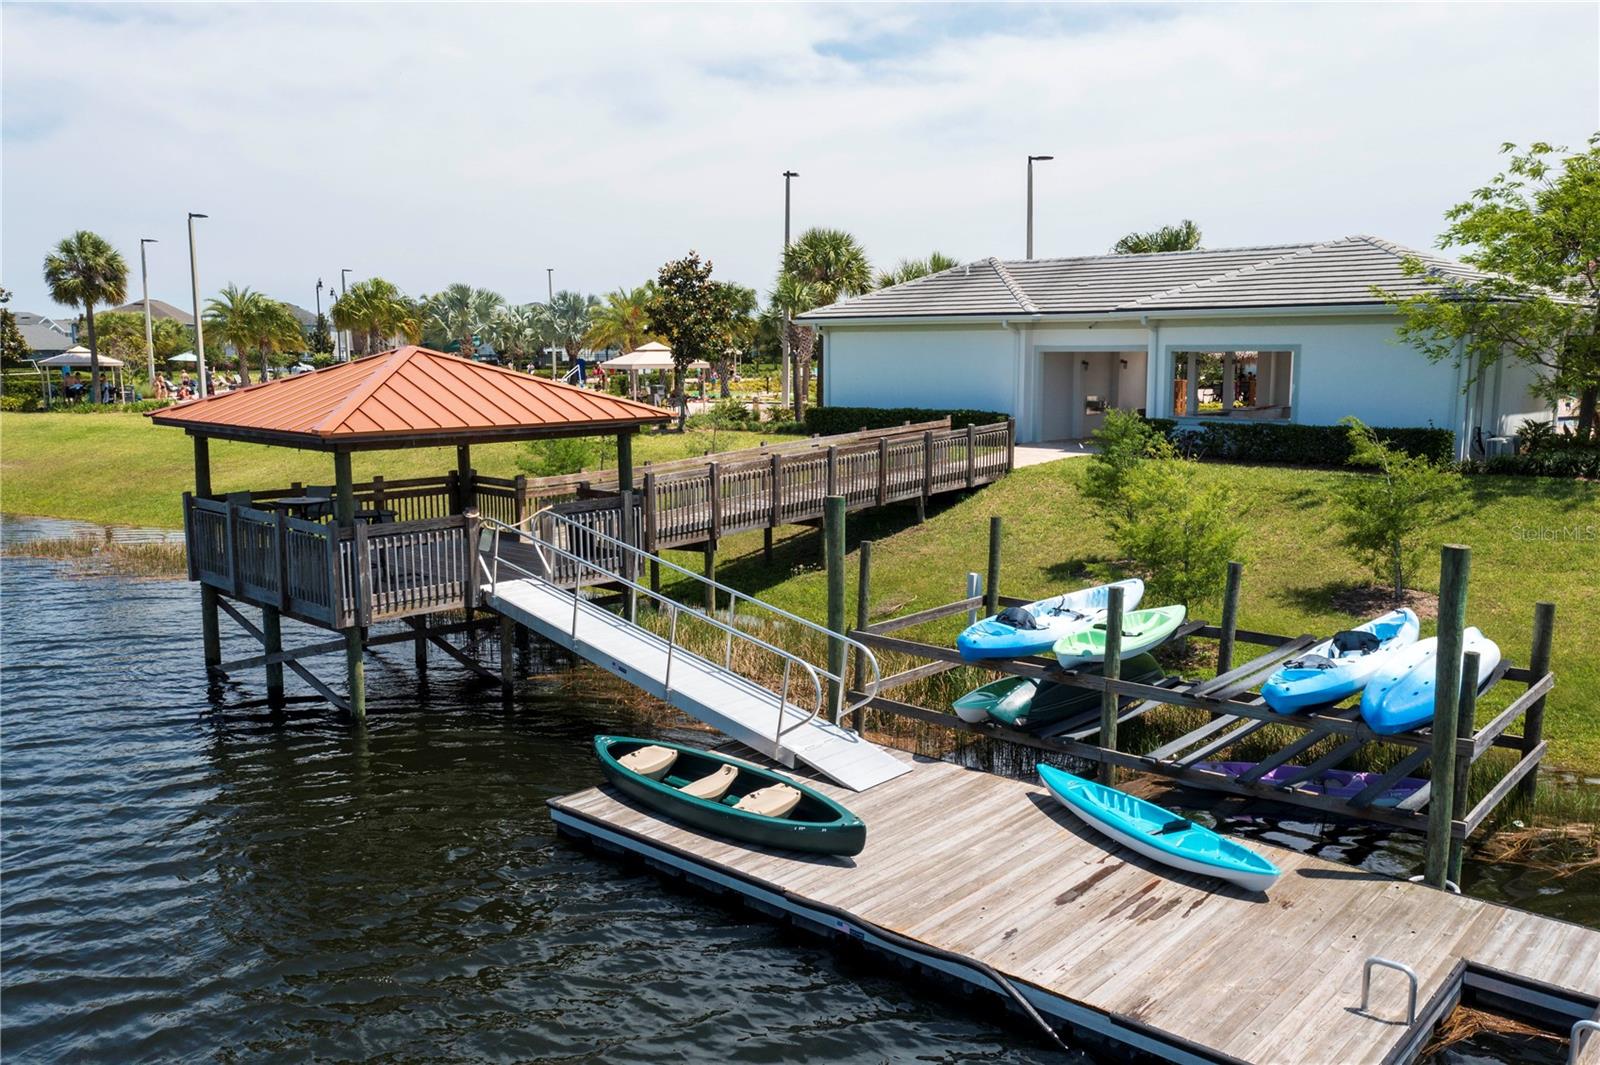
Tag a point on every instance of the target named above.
point(1399, 967)
point(541, 546)
point(869, 687)
point(1576, 1040)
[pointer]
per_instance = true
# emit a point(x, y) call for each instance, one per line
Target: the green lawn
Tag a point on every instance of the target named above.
point(119, 469)
point(1531, 539)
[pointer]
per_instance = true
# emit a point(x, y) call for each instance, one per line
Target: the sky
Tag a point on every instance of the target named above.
point(485, 143)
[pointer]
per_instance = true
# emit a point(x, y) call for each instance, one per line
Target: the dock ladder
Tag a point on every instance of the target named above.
point(704, 662)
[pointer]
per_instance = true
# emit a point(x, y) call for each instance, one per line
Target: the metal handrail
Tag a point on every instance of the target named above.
point(1399, 967)
point(783, 701)
point(1576, 1039)
point(868, 690)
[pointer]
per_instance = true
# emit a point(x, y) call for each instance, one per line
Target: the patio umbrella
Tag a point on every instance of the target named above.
point(187, 356)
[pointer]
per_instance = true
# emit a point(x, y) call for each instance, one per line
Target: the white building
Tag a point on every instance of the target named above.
point(1291, 332)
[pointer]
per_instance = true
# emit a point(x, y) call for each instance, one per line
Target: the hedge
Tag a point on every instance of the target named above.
point(827, 421)
point(1570, 461)
point(1295, 445)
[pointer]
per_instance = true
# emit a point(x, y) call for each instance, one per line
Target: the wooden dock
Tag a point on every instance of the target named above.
point(990, 870)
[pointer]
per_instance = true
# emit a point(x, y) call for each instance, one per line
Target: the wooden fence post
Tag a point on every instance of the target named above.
point(883, 470)
point(991, 589)
point(1112, 671)
point(630, 561)
point(1011, 444)
point(650, 530)
point(711, 575)
point(972, 457)
point(1230, 618)
point(833, 538)
point(519, 499)
point(1465, 718)
point(1544, 623)
point(1454, 570)
point(927, 476)
point(714, 496)
point(863, 614)
point(777, 491)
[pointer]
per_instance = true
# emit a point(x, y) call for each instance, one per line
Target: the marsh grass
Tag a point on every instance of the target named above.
point(97, 556)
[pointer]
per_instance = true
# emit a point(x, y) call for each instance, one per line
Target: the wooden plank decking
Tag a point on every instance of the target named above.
point(992, 869)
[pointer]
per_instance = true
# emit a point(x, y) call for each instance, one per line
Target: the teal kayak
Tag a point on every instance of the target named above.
point(1157, 833)
point(1022, 702)
point(727, 797)
point(1142, 630)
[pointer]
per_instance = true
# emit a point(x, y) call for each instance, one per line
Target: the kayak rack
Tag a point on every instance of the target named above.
point(1237, 712)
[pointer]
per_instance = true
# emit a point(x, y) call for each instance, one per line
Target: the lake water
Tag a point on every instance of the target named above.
point(189, 875)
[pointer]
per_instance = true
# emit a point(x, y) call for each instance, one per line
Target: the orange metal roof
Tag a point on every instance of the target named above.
point(407, 397)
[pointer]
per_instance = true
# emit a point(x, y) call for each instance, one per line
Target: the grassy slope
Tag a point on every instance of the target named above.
point(1292, 563)
point(120, 469)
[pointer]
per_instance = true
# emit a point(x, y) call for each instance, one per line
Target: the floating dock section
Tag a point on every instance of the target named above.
point(971, 874)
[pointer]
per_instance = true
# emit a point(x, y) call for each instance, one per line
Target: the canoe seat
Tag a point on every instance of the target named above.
point(775, 800)
point(651, 761)
point(714, 786)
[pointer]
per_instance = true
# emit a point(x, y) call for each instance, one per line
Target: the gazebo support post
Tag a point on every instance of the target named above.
point(210, 629)
point(344, 508)
point(469, 490)
point(272, 644)
point(630, 534)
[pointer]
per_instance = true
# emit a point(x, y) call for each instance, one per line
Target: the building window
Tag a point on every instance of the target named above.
point(1232, 383)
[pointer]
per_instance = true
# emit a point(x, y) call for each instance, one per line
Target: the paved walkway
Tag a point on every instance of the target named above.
point(1049, 451)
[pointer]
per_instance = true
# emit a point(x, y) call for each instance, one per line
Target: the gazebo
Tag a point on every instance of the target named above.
point(652, 356)
point(78, 357)
point(345, 555)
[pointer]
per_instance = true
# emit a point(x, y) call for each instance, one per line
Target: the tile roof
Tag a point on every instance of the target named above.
point(158, 309)
point(1332, 273)
point(44, 336)
point(410, 396)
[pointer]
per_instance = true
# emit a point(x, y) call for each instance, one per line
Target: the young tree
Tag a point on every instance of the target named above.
point(84, 270)
point(695, 315)
point(1123, 441)
point(1536, 228)
point(1183, 531)
point(321, 337)
point(1185, 236)
point(14, 350)
point(1389, 516)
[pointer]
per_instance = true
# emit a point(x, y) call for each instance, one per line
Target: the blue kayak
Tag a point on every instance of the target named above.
point(1158, 833)
point(1340, 666)
point(1020, 631)
point(1400, 697)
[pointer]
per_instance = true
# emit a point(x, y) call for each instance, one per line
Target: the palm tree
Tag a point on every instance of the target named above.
point(84, 270)
point(1185, 236)
point(622, 321)
point(826, 265)
point(232, 317)
point(911, 269)
point(570, 315)
point(462, 312)
point(743, 308)
point(795, 296)
point(277, 330)
point(518, 331)
point(375, 311)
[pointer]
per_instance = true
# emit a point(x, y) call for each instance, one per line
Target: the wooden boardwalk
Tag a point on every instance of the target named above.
point(991, 869)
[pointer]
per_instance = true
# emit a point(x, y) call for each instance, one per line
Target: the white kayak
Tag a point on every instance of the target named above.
point(1019, 631)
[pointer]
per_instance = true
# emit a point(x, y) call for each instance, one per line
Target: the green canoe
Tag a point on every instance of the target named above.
point(1142, 630)
point(727, 797)
point(1022, 702)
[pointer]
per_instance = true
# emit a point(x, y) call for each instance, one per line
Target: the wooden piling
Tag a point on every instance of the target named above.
point(344, 506)
point(272, 644)
point(991, 588)
point(1544, 623)
point(766, 545)
point(711, 575)
point(210, 626)
point(863, 613)
point(1454, 570)
point(630, 562)
point(1111, 671)
point(466, 484)
point(1465, 719)
point(833, 512)
point(1230, 618)
point(508, 656)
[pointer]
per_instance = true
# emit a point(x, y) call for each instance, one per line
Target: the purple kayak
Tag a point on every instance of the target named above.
point(1334, 783)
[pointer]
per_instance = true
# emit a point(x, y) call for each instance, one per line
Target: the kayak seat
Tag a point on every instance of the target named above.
point(775, 800)
point(651, 761)
point(1178, 825)
point(714, 786)
point(1355, 642)
point(1017, 618)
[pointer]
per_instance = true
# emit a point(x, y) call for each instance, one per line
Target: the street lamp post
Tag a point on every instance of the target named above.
point(199, 329)
point(149, 336)
point(1031, 160)
point(345, 272)
point(550, 308)
point(783, 339)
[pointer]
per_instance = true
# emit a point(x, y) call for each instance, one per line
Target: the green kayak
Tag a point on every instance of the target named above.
point(1022, 702)
point(727, 797)
point(1142, 630)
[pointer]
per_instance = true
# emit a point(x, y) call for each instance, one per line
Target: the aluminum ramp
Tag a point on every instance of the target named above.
point(703, 689)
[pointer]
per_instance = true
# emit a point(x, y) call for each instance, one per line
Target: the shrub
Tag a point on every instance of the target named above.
point(724, 414)
point(1388, 515)
point(1179, 532)
point(827, 421)
point(552, 458)
point(1123, 441)
point(1295, 445)
point(1565, 460)
point(20, 392)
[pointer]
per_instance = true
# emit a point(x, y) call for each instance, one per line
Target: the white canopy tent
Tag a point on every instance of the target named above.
point(187, 356)
point(652, 356)
point(77, 357)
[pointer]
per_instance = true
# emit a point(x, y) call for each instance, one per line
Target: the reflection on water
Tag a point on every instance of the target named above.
point(188, 875)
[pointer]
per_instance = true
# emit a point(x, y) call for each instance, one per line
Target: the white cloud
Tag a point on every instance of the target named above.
point(484, 143)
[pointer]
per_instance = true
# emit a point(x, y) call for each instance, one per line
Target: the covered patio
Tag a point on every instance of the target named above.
point(344, 555)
